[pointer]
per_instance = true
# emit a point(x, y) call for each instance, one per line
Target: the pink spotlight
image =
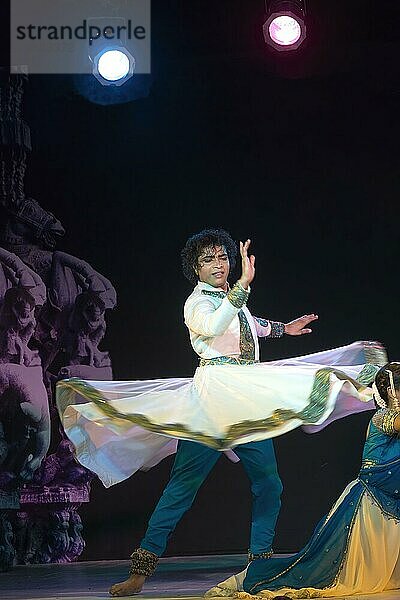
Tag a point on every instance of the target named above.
point(285, 30)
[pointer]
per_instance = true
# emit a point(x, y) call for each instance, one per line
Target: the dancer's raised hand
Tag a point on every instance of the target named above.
point(248, 265)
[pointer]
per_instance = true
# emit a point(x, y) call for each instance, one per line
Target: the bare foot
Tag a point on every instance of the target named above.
point(129, 587)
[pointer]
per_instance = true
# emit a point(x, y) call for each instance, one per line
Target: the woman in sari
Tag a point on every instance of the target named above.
point(355, 549)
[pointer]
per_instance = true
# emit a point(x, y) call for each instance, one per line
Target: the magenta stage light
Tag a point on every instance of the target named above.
point(284, 28)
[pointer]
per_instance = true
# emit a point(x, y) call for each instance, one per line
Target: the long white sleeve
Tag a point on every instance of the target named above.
point(203, 318)
point(213, 322)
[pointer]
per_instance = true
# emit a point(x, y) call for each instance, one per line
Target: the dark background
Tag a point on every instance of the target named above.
point(298, 152)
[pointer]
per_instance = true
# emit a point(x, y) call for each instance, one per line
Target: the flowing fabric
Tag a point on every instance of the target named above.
point(355, 549)
point(118, 427)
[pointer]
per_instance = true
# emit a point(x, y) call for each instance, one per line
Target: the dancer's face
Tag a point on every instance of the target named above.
point(213, 266)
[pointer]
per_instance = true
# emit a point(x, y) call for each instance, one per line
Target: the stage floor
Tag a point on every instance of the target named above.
point(185, 577)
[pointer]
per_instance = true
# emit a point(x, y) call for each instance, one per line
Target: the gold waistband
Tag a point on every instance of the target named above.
point(226, 360)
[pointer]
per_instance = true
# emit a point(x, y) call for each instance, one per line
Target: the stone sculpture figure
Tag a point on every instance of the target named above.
point(84, 295)
point(61, 469)
point(22, 291)
point(21, 533)
point(17, 324)
point(59, 340)
point(28, 230)
point(7, 551)
point(57, 539)
point(24, 413)
point(76, 541)
point(86, 329)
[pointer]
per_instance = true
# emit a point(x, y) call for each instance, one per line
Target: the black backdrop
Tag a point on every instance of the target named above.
point(299, 153)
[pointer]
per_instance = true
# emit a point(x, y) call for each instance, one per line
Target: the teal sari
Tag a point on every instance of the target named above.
point(320, 562)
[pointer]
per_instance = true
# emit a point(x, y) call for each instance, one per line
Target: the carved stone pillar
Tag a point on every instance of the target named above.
point(9, 502)
point(52, 320)
point(48, 528)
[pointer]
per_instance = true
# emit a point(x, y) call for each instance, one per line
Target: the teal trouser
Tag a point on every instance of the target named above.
point(193, 462)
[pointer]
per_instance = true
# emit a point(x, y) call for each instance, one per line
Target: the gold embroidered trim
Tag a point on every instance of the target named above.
point(214, 293)
point(277, 329)
point(374, 354)
point(238, 296)
point(226, 360)
point(247, 345)
point(302, 594)
point(367, 375)
point(386, 464)
point(67, 388)
point(366, 464)
point(350, 526)
point(387, 515)
point(256, 556)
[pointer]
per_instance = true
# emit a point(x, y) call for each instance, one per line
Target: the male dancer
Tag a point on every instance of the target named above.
point(222, 331)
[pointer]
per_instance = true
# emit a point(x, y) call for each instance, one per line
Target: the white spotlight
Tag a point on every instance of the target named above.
point(113, 66)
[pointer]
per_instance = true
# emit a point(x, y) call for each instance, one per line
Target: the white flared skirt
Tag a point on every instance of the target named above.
point(118, 427)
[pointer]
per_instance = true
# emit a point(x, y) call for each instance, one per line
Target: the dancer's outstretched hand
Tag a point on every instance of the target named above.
point(248, 265)
point(299, 326)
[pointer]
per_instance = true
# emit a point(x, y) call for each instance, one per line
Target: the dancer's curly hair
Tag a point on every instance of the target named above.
point(196, 244)
point(382, 378)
